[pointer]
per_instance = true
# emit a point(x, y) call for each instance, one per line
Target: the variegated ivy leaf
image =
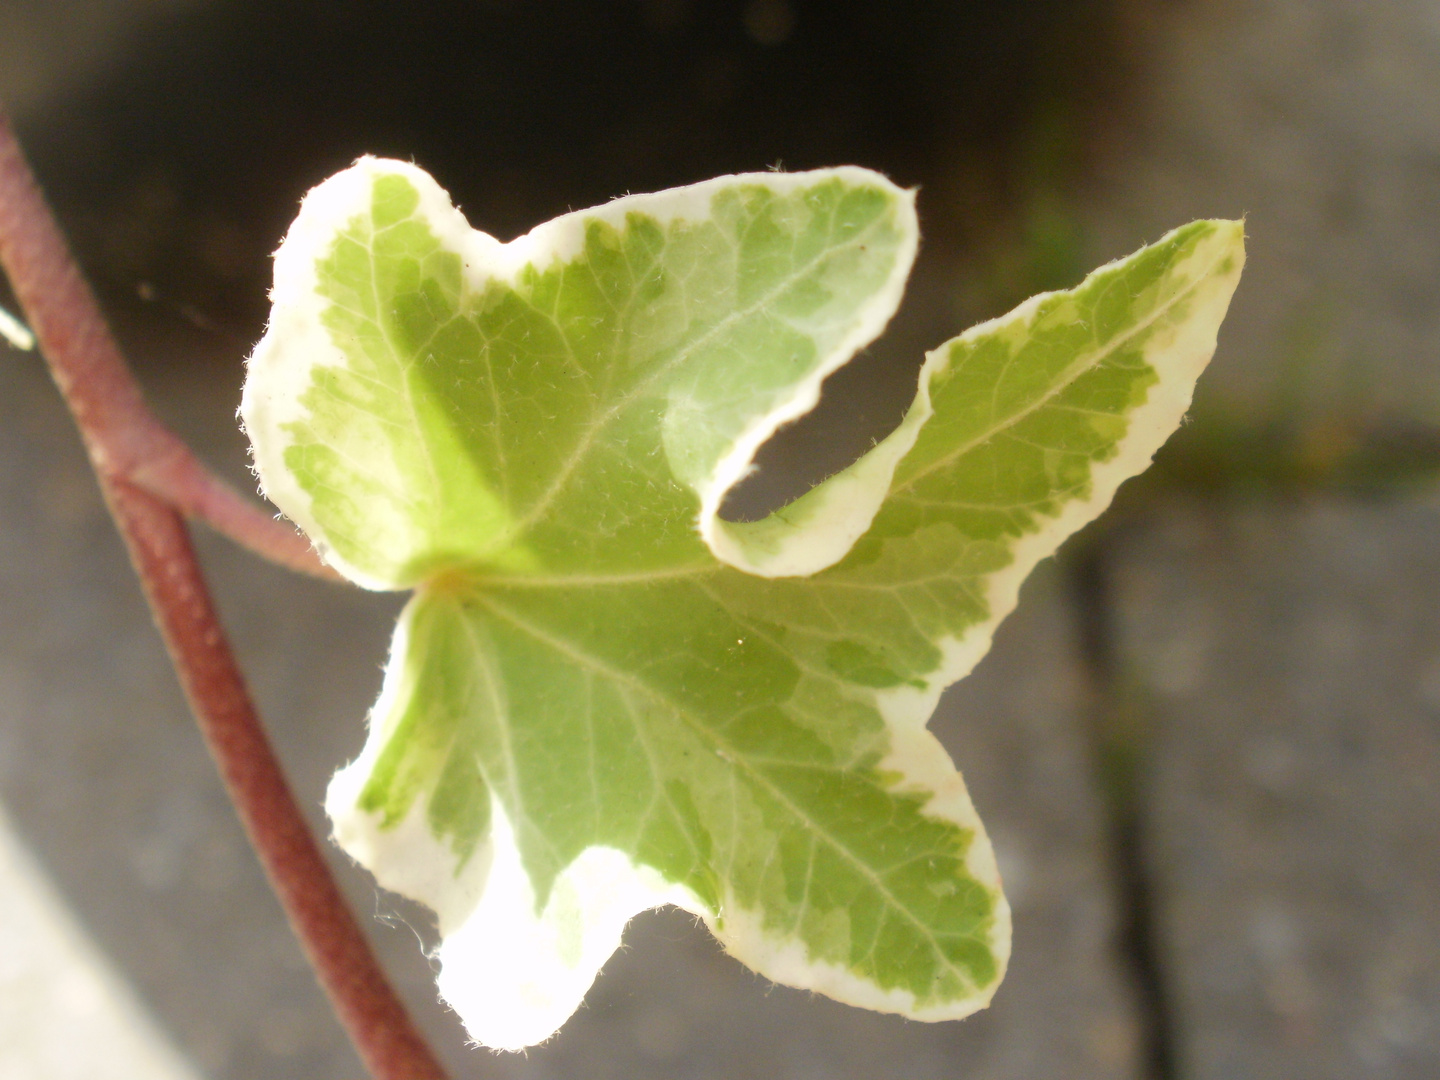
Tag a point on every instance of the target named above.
point(602, 697)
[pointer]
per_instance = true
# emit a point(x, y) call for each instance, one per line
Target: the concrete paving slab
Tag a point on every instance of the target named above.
point(1288, 657)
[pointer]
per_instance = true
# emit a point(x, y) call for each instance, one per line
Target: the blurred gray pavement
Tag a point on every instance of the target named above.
point(1288, 659)
point(54, 983)
point(1319, 122)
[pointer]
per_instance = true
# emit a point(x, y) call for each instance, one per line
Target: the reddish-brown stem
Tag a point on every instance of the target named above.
point(376, 1020)
point(160, 463)
point(106, 401)
point(123, 436)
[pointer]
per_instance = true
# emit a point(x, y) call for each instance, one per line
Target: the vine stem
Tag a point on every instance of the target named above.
point(124, 438)
point(149, 478)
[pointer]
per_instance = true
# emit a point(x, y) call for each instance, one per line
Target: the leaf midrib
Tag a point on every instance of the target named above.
point(541, 506)
point(719, 746)
point(1068, 376)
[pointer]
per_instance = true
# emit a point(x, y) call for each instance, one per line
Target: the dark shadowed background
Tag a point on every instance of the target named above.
point(1208, 745)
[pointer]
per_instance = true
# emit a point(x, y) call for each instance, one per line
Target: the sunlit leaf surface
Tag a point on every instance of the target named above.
point(601, 697)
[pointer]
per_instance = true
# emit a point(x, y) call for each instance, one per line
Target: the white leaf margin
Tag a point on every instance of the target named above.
point(1177, 361)
point(280, 368)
